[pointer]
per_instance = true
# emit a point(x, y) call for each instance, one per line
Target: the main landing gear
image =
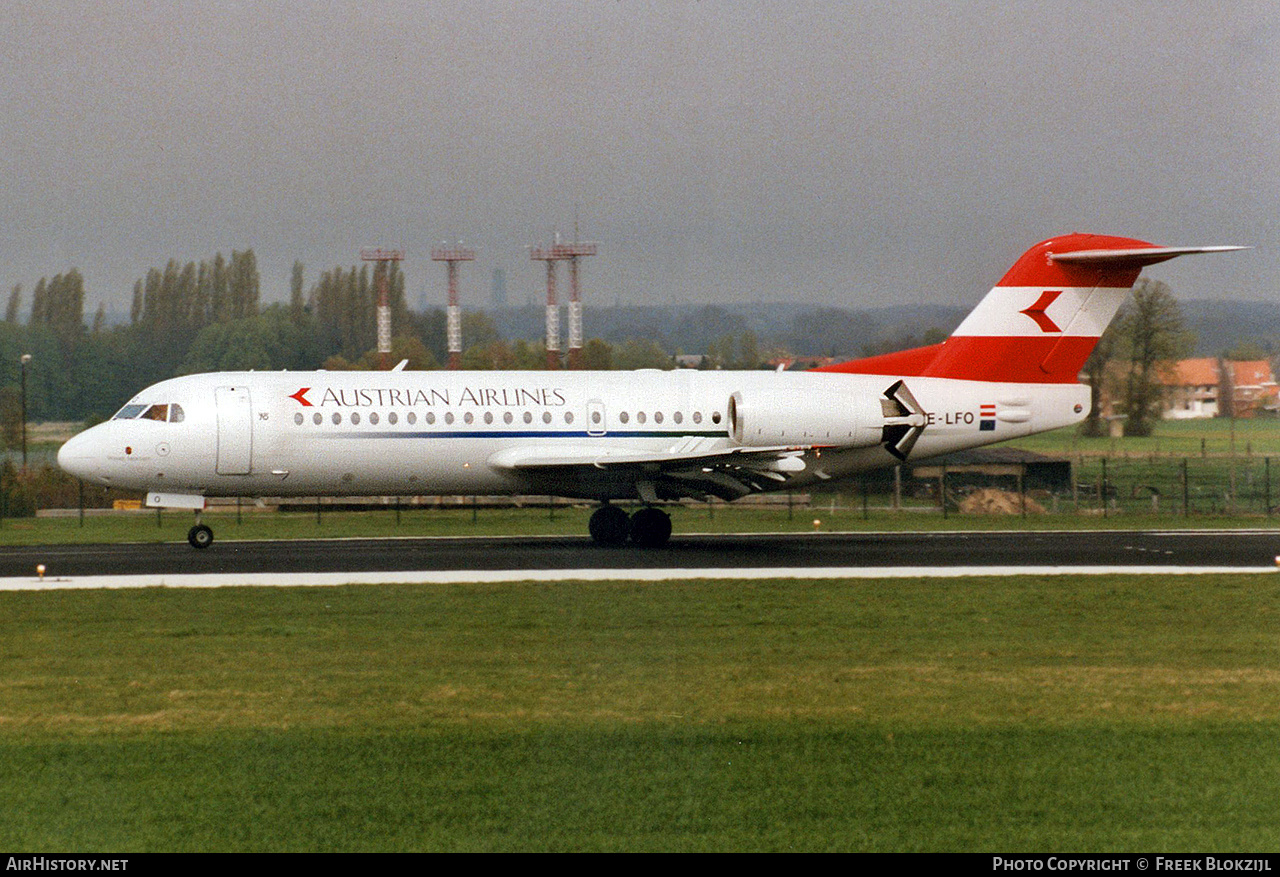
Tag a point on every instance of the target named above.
point(648, 527)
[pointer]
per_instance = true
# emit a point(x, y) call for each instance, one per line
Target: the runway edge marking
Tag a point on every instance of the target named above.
point(449, 577)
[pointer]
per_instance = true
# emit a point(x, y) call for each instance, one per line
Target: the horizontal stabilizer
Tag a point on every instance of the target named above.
point(1137, 256)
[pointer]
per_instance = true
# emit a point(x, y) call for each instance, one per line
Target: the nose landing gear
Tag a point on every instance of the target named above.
point(649, 527)
point(200, 536)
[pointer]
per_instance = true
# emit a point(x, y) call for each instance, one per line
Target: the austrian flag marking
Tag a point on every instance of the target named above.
point(301, 396)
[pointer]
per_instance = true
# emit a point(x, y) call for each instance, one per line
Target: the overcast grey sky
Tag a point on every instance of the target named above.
point(841, 153)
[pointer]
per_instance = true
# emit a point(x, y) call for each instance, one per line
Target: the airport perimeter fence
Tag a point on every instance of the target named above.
point(1102, 486)
point(1098, 486)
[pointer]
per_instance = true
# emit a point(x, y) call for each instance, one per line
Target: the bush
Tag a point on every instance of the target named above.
point(47, 487)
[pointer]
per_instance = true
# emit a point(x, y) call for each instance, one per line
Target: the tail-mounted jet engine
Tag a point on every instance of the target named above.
point(775, 418)
point(769, 419)
point(904, 420)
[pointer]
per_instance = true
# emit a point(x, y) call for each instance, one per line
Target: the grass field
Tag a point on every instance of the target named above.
point(1024, 713)
point(845, 515)
point(1179, 438)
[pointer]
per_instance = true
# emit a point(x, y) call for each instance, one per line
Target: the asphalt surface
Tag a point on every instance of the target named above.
point(766, 551)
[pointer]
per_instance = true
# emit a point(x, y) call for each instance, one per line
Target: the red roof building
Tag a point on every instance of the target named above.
point(1203, 388)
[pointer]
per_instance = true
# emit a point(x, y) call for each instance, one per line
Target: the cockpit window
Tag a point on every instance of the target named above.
point(129, 412)
point(171, 412)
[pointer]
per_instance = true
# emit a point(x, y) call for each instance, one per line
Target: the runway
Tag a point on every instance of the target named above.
point(689, 556)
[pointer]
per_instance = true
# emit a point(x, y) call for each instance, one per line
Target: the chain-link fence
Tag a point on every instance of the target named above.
point(1182, 486)
point(1096, 485)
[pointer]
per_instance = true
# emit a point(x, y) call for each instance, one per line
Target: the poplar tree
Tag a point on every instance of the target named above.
point(202, 304)
point(58, 304)
point(38, 304)
point(15, 303)
point(220, 310)
point(297, 304)
point(242, 285)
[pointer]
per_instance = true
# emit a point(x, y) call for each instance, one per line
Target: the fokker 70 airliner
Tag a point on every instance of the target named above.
point(1010, 369)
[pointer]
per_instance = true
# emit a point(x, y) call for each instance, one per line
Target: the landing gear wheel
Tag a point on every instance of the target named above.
point(200, 536)
point(650, 527)
point(609, 525)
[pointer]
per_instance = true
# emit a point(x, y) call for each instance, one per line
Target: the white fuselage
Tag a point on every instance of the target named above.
point(431, 433)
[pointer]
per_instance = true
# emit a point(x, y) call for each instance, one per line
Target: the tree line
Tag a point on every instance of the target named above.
point(190, 317)
point(205, 316)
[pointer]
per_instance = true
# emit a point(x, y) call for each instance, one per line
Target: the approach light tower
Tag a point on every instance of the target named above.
point(451, 256)
point(545, 254)
point(382, 276)
point(570, 253)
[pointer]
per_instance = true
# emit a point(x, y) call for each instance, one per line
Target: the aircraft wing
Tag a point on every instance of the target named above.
point(727, 473)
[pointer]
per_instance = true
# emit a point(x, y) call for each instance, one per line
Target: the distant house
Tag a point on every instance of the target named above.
point(1253, 388)
point(799, 363)
point(1192, 389)
point(1209, 387)
point(691, 360)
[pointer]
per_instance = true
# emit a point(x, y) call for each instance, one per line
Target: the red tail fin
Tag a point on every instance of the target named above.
point(1041, 321)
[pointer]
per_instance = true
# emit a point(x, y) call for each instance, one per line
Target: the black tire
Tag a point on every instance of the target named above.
point(650, 527)
point(609, 525)
point(200, 536)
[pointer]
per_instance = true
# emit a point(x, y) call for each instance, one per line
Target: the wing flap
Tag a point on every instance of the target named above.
point(601, 458)
point(729, 473)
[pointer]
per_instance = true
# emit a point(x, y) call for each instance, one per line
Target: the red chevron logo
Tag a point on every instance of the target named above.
point(1037, 310)
point(301, 396)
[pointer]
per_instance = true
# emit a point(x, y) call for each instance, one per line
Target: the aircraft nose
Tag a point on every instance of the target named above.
point(76, 456)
